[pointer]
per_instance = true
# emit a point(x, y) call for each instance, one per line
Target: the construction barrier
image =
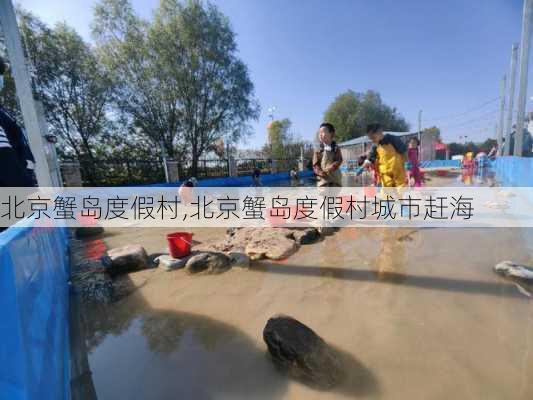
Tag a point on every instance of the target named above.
point(34, 299)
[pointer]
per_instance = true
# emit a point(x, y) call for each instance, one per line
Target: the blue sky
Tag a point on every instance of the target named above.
point(444, 57)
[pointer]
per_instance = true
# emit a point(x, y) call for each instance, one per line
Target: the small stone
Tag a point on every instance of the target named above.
point(239, 260)
point(208, 263)
point(127, 258)
point(168, 263)
point(514, 270)
point(326, 230)
point(300, 352)
point(306, 236)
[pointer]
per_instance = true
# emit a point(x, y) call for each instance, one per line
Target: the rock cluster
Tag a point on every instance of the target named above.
point(260, 243)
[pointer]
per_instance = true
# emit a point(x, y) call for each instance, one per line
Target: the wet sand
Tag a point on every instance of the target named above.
point(415, 314)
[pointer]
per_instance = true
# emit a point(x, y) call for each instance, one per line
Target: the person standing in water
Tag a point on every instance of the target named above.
point(414, 174)
point(328, 158)
point(389, 153)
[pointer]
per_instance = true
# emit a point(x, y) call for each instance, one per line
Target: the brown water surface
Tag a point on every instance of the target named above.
point(413, 313)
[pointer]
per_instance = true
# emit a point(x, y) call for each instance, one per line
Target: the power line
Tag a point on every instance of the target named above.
point(479, 118)
point(478, 107)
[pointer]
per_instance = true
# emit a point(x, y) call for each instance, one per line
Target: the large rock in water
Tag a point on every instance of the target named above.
point(514, 270)
point(300, 352)
point(239, 260)
point(272, 247)
point(127, 258)
point(257, 243)
point(208, 263)
point(168, 263)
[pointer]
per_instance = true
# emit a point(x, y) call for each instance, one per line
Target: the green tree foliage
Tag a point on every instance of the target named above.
point(180, 77)
point(350, 113)
point(284, 144)
point(72, 86)
point(278, 137)
point(462, 148)
point(144, 99)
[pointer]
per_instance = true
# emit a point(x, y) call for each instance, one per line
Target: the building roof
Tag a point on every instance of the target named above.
point(364, 139)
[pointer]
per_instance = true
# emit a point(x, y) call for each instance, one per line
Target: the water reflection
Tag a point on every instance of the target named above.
point(391, 260)
point(172, 355)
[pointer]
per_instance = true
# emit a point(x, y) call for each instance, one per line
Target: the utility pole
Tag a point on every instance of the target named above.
point(499, 136)
point(524, 63)
point(420, 133)
point(419, 124)
point(164, 159)
point(24, 91)
point(509, 127)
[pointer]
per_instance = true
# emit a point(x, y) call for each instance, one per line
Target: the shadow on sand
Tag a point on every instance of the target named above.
point(394, 278)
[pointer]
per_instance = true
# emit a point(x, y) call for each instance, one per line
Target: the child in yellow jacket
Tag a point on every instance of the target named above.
point(389, 153)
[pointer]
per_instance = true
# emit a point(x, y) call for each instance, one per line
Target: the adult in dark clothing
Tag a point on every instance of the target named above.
point(16, 160)
point(526, 144)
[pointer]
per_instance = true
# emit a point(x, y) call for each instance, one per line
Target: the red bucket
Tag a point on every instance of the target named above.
point(179, 244)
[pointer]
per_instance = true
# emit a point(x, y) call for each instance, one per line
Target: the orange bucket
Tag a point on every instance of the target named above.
point(179, 244)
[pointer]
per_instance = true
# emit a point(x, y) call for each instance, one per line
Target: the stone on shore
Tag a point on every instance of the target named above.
point(272, 247)
point(208, 263)
point(301, 353)
point(127, 258)
point(168, 263)
point(514, 270)
point(306, 235)
point(239, 260)
point(259, 243)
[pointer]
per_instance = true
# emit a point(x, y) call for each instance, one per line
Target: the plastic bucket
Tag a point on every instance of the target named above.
point(179, 244)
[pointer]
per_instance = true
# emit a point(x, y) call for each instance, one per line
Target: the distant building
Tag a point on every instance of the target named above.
point(352, 149)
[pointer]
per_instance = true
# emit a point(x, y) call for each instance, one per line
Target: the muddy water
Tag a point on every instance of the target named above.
point(415, 314)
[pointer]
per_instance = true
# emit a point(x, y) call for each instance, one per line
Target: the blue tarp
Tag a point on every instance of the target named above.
point(239, 181)
point(440, 164)
point(423, 164)
point(34, 349)
point(514, 171)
